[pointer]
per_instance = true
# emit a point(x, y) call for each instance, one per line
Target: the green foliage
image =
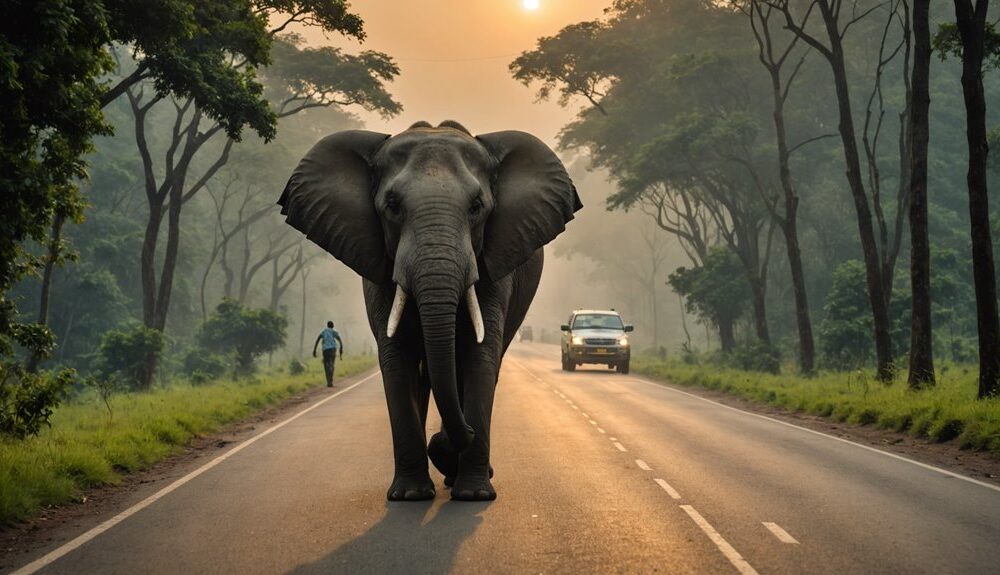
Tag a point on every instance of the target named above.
point(330, 76)
point(85, 448)
point(715, 291)
point(296, 367)
point(243, 333)
point(948, 411)
point(753, 356)
point(28, 400)
point(127, 355)
point(202, 366)
point(948, 43)
point(846, 330)
point(50, 59)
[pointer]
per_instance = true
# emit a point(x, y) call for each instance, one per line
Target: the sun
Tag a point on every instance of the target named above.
point(531, 4)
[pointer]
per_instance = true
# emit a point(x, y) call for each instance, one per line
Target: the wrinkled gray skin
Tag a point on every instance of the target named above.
point(435, 210)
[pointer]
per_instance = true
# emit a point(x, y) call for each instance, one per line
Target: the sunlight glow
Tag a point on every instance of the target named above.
point(531, 4)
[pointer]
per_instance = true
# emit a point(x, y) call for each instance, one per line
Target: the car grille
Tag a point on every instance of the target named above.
point(600, 341)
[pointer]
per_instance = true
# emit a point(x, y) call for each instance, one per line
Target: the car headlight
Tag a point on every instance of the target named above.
point(577, 340)
point(623, 342)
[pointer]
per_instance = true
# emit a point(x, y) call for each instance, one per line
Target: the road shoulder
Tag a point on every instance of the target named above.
point(63, 523)
point(975, 464)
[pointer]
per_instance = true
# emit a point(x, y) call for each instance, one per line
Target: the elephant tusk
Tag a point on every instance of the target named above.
point(475, 313)
point(396, 312)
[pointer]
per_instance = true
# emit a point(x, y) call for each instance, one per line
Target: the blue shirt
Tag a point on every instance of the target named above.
point(331, 339)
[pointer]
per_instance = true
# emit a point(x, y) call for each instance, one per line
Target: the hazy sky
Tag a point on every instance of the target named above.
point(454, 54)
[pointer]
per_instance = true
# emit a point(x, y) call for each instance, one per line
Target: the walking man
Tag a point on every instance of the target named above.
point(331, 344)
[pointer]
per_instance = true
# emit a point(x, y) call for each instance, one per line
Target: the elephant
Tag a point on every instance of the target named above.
point(454, 223)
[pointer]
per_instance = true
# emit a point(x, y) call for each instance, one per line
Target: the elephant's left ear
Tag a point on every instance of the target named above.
point(534, 199)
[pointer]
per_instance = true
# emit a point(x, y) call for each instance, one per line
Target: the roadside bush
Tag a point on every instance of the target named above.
point(127, 355)
point(296, 367)
point(243, 334)
point(845, 334)
point(27, 400)
point(754, 356)
point(201, 366)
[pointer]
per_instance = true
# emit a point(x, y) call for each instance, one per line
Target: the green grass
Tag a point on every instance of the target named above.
point(947, 412)
point(87, 447)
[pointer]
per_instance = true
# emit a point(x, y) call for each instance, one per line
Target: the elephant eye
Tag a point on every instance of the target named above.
point(392, 202)
point(477, 205)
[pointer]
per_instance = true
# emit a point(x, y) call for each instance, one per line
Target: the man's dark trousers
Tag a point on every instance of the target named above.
point(329, 358)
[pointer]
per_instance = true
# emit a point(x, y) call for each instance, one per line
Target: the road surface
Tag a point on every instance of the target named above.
point(596, 473)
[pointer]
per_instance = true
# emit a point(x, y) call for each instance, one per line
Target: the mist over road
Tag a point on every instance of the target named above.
point(595, 472)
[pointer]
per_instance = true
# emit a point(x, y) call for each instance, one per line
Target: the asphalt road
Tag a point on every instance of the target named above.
point(596, 473)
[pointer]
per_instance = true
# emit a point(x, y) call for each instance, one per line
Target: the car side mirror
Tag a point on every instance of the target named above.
point(629, 327)
point(564, 327)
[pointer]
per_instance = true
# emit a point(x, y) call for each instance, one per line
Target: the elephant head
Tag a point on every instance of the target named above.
point(433, 210)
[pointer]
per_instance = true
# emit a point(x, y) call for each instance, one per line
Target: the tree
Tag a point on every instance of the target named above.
point(51, 56)
point(773, 57)
point(714, 293)
point(243, 333)
point(921, 336)
point(301, 78)
point(975, 39)
point(829, 43)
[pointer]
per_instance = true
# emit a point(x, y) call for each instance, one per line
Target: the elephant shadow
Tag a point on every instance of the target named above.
point(412, 537)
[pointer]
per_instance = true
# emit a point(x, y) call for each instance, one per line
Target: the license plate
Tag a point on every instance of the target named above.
point(601, 350)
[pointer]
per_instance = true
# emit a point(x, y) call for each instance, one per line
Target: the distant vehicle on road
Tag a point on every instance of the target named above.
point(526, 334)
point(596, 336)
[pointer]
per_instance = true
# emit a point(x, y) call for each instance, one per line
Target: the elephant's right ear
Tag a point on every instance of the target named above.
point(330, 199)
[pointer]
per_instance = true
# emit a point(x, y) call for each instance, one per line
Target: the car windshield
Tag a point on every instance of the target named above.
point(597, 321)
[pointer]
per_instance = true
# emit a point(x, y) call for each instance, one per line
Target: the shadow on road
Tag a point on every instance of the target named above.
point(414, 537)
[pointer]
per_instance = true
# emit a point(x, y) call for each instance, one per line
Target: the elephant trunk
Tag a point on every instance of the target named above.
point(438, 304)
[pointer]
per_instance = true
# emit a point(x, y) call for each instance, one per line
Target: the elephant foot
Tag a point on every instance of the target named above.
point(410, 489)
point(473, 489)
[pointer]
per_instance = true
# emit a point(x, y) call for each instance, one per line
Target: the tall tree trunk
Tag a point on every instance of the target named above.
point(302, 324)
point(921, 351)
point(727, 337)
point(758, 295)
point(55, 245)
point(972, 28)
point(869, 244)
point(760, 20)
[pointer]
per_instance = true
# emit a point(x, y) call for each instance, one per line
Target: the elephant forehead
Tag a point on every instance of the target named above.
point(433, 146)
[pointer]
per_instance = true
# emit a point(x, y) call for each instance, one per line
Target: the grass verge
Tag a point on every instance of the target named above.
point(87, 446)
point(948, 411)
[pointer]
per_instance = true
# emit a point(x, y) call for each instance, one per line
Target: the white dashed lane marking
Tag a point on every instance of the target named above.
point(643, 465)
point(732, 554)
point(780, 533)
point(620, 447)
point(668, 488)
point(601, 429)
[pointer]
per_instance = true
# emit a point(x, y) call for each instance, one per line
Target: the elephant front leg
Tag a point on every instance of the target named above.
point(472, 480)
point(407, 402)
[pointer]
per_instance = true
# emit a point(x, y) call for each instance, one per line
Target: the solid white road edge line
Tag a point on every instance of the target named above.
point(821, 434)
point(80, 540)
point(668, 488)
point(780, 533)
point(643, 465)
point(734, 557)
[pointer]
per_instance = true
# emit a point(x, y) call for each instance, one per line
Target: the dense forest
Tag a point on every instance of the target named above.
point(811, 161)
point(820, 168)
